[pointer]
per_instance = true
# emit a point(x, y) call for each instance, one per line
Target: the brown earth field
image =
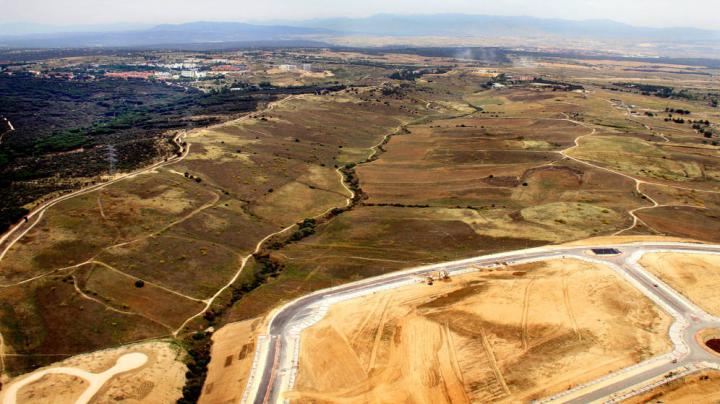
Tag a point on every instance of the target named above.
point(696, 276)
point(233, 352)
point(136, 259)
point(702, 387)
point(473, 183)
point(389, 239)
point(689, 222)
point(605, 240)
point(512, 334)
point(443, 169)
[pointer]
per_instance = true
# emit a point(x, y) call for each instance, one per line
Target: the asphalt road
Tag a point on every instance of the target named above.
point(284, 326)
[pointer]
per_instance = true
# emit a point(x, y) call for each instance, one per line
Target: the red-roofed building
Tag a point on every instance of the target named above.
point(130, 75)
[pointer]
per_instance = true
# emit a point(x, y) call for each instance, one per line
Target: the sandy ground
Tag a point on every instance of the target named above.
point(703, 387)
point(53, 388)
point(697, 276)
point(232, 353)
point(159, 380)
point(594, 241)
point(510, 335)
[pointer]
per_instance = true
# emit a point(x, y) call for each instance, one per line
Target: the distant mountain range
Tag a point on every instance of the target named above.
point(440, 25)
point(463, 25)
point(29, 28)
point(163, 35)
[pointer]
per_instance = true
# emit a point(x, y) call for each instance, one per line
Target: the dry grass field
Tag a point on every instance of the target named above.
point(509, 335)
point(70, 285)
point(528, 166)
point(443, 167)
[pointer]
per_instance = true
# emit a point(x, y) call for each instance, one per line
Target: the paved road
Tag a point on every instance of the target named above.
point(273, 372)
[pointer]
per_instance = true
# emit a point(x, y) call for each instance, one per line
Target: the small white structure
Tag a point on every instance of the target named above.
point(192, 74)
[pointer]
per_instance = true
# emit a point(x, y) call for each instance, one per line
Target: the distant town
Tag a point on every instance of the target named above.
point(204, 70)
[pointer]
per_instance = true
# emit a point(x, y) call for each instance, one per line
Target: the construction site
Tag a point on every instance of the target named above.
point(504, 333)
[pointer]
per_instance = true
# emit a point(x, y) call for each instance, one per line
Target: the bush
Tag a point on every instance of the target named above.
point(10, 216)
point(62, 141)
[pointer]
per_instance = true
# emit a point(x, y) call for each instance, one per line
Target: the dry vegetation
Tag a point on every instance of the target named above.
point(443, 168)
point(182, 231)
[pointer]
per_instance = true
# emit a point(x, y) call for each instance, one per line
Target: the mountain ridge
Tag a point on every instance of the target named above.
point(440, 25)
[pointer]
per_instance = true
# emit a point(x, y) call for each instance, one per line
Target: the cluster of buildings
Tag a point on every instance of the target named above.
point(131, 75)
point(192, 69)
point(306, 67)
point(159, 68)
point(155, 66)
point(45, 74)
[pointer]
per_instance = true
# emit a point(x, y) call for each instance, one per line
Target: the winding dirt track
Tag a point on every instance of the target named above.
point(7, 240)
point(17, 232)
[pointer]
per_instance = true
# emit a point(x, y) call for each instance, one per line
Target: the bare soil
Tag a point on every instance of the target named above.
point(233, 351)
point(160, 380)
point(696, 276)
point(703, 387)
point(509, 335)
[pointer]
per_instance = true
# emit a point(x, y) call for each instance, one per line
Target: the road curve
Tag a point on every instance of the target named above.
point(275, 363)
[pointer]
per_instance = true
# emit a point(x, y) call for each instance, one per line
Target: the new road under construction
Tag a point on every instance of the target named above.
point(278, 351)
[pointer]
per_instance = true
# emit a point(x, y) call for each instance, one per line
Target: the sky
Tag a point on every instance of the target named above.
point(653, 13)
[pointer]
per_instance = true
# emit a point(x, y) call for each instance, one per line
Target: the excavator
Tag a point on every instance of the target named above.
point(436, 276)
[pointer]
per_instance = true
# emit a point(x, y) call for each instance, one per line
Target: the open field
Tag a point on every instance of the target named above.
point(514, 334)
point(140, 257)
point(159, 380)
point(702, 387)
point(684, 222)
point(233, 350)
point(610, 240)
point(653, 162)
point(696, 276)
point(393, 175)
point(390, 239)
point(511, 175)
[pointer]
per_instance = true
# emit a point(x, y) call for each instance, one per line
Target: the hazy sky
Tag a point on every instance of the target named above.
point(699, 13)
